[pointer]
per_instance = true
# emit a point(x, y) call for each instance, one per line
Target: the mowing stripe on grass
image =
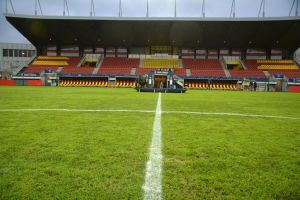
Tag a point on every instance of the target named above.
point(146, 111)
point(152, 186)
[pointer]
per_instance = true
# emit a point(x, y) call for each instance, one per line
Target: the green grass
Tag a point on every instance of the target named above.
point(98, 155)
point(230, 157)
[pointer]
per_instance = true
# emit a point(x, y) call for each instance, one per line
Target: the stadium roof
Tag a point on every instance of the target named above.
point(139, 32)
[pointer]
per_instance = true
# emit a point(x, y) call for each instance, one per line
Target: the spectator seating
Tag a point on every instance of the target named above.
point(77, 70)
point(120, 63)
point(116, 71)
point(201, 64)
point(82, 83)
point(287, 73)
point(126, 83)
point(247, 74)
point(161, 63)
point(180, 72)
point(208, 73)
point(278, 67)
point(38, 69)
point(220, 86)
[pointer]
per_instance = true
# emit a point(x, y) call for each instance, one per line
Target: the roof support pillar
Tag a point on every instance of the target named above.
point(175, 9)
point(232, 11)
point(35, 7)
point(92, 13)
point(12, 7)
point(120, 8)
point(147, 11)
point(203, 8)
point(263, 8)
point(297, 3)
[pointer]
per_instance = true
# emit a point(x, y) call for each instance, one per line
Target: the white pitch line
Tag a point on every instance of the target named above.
point(72, 110)
point(231, 114)
point(146, 111)
point(152, 186)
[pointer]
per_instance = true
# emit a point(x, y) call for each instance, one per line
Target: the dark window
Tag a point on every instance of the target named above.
point(16, 53)
point(5, 52)
point(10, 53)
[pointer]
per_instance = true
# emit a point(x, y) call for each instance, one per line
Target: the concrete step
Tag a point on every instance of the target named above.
point(133, 71)
point(188, 72)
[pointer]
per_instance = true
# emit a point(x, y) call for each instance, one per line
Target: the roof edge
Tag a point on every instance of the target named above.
point(152, 18)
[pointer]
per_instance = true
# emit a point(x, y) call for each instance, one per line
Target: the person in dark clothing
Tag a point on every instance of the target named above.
point(254, 86)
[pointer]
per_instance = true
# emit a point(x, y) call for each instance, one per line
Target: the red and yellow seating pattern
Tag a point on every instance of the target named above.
point(278, 67)
point(220, 86)
point(56, 61)
point(161, 63)
point(83, 83)
point(126, 84)
point(275, 62)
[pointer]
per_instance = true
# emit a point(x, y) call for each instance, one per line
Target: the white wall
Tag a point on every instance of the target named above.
point(13, 64)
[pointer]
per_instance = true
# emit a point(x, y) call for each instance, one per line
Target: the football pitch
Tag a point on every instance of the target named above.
point(99, 143)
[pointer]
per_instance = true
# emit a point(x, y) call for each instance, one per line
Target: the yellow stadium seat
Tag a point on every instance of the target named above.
point(50, 63)
point(161, 63)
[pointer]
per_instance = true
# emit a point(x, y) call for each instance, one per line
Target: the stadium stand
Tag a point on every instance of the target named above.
point(161, 63)
point(247, 74)
point(42, 63)
point(84, 83)
point(204, 85)
point(77, 70)
point(115, 71)
point(201, 64)
point(120, 63)
point(204, 67)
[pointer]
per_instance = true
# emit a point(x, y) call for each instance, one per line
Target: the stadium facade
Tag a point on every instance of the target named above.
point(215, 53)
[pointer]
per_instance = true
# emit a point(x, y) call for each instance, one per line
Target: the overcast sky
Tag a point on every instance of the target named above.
point(137, 8)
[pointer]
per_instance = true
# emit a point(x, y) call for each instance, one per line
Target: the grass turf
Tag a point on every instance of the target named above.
point(59, 155)
point(102, 155)
point(231, 157)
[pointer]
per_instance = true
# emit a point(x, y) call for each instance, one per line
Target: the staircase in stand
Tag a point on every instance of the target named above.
point(133, 71)
point(99, 63)
point(222, 63)
point(188, 72)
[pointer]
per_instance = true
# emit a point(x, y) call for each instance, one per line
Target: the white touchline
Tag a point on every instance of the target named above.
point(230, 114)
point(145, 111)
point(152, 186)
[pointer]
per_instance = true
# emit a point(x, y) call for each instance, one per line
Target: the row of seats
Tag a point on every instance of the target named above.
point(247, 74)
point(200, 64)
point(287, 73)
point(275, 62)
point(50, 63)
point(56, 61)
point(52, 58)
point(272, 67)
point(83, 83)
point(208, 73)
point(222, 86)
point(38, 69)
point(77, 70)
point(126, 84)
point(115, 71)
point(120, 63)
point(161, 63)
